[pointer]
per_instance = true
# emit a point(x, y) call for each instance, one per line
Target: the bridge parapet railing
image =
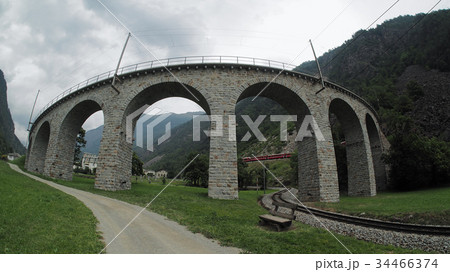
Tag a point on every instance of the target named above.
point(169, 62)
point(192, 60)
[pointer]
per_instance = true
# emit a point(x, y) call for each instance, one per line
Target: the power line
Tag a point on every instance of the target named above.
point(334, 19)
point(399, 39)
point(146, 48)
point(362, 33)
point(301, 52)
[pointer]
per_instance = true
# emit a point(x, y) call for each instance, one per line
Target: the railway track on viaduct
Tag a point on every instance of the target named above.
point(279, 200)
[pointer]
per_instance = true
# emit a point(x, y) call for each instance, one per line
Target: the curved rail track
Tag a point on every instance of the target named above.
point(278, 199)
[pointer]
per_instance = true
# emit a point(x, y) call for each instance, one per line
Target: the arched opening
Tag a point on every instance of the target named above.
point(358, 170)
point(88, 145)
point(162, 128)
point(62, 164)
point(339, 153)
point(251, 173)
point(377, 151)
point(285, 101)
point(38, 149)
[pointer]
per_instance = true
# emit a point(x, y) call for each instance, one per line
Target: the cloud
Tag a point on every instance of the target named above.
point(52, 45)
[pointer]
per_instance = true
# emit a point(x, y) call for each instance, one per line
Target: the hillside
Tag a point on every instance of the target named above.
point(94, 136)
point(8, 140)
point(384, 63)
point(180, 144)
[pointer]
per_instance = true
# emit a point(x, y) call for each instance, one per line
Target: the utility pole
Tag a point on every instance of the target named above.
point(31, 116)
point(118, 64)
point(318, 68)
point(264, 175)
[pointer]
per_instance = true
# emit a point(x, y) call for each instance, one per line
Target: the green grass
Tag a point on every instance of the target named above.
point(36, 218)
point(421, 207)
point(20, 161)
point(235, 222)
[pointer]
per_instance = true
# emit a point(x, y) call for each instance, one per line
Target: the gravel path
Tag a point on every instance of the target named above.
point(149, 233)
point(429, 243)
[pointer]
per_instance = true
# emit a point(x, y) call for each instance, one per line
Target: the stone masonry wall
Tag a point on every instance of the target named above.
point(217, 88)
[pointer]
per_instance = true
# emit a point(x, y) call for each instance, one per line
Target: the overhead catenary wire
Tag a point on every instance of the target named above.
point(359, 35)
point(304, 49)
point(146, 48)
point(386, 51)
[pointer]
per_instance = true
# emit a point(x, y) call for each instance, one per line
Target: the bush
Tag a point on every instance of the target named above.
point(196, 174)
point(20, 161)
point(418, 162)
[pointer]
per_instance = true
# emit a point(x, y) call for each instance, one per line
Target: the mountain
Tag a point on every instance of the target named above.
point(94, 136)
point(401, 67)
point(181, 143)
point(8, 140)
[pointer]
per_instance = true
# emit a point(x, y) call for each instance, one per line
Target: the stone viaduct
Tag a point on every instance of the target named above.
point(216, 85)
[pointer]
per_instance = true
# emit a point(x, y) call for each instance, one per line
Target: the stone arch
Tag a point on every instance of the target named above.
point(377, 151)
point(61, 165)
point(117, 171)
point(38, 149)
point(314, 182)
point(159, 91)
point(360, 179)
point(283, 95)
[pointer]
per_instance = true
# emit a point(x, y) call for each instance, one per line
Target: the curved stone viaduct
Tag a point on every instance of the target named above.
point(217, 89)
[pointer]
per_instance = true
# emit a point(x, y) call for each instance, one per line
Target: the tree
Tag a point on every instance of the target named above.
point(293, 163)
point(418, 162)
point(244, 177)
point(197, 172)
point(80, 143)
point(136, 168)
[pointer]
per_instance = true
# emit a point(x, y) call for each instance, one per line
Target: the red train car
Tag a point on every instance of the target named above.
point(267, 157)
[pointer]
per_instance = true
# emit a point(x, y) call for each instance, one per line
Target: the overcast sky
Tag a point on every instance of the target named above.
point(52, 45)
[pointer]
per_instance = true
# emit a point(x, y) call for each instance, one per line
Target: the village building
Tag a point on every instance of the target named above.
point(89, 161)
point(13, 156)
point(161, 173)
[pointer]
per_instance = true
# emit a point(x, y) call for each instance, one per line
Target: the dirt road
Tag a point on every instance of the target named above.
point(149, 233)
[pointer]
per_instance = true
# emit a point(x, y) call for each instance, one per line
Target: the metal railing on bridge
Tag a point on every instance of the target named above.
point(169, 62)
point(195, 60)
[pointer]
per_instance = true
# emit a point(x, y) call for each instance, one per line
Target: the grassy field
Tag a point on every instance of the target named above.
point(35, 218)
point(420, 207)
point(233, 223)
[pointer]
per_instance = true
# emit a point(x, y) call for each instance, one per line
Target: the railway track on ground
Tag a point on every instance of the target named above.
point(360, 221)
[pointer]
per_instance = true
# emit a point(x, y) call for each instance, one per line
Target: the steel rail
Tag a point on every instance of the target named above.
point(366, 222)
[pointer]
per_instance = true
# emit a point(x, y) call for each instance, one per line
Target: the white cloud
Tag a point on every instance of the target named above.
point(52, 45)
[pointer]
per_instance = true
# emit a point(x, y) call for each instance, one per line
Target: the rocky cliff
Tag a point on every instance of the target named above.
point(8, 140)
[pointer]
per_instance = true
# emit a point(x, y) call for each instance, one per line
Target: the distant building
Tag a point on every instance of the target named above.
point(150, 173)
point(161, 173)
point(13, 156)
point(89, 161)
